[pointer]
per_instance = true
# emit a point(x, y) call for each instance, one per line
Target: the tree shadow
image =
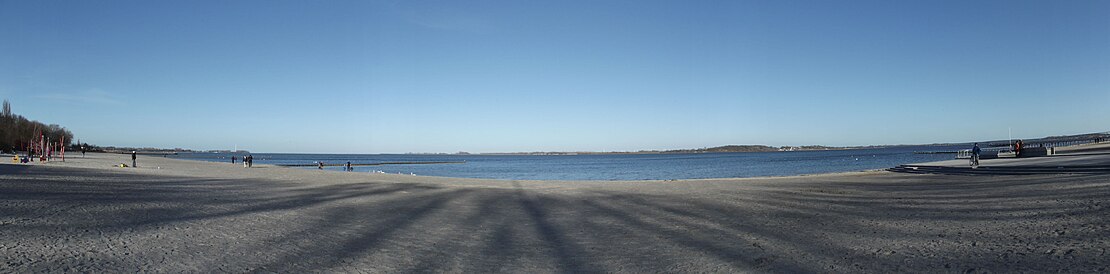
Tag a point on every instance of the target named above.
point(826, 225)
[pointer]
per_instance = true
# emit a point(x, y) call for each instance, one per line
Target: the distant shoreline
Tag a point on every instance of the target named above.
point(718, 149)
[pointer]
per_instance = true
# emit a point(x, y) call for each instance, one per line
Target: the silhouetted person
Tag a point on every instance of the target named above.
point(320, 165)
point(133, 157)
point(975, 155)
point(250, 160)
point(232, 159)
point(349, 166)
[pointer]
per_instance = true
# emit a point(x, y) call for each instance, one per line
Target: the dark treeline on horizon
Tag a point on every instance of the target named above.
point(17, 132)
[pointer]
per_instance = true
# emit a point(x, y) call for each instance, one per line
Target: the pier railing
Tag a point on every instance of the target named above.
point(966, 153)
point(1068, 143)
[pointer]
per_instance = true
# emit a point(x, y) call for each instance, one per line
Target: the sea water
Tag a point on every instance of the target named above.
point(612, 166)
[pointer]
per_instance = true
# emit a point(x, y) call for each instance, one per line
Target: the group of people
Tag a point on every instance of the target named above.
point(1016, 146)
point(248, 161)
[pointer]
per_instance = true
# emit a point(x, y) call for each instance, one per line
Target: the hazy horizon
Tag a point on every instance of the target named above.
point(502, 76)
point(233, 149)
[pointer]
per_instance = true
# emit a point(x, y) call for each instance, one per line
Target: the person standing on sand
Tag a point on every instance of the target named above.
point(1021, 147)
point(133, 163)
point(232, 159)
point(975, 155)
point(250, 160)
point(320, 165)
point(349, 166)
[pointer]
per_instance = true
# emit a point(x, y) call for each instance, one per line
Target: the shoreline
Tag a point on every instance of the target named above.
point(124, 159)
point(193, 164)
point(309, 167)
point(1096, 146)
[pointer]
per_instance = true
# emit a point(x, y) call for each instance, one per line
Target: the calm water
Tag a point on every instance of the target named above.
point(615, 167)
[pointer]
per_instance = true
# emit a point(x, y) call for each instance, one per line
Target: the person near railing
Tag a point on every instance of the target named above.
point(975, 155)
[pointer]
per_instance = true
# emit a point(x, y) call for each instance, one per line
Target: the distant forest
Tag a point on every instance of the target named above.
point(17, 132)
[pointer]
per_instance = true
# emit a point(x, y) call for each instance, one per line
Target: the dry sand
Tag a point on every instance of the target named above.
point(183, 216)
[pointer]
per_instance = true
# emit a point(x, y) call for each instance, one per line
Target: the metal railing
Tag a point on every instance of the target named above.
point(1069, 143)
point(966, 153)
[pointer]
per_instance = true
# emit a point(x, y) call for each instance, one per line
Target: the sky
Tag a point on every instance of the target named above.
point(508, 76)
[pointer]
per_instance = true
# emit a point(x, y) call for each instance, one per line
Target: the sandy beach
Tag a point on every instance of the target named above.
point(172, 215)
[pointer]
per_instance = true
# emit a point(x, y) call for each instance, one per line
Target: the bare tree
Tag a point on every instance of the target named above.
point(17, 132)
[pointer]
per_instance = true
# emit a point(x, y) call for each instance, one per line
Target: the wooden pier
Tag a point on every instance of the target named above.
point(373, 164)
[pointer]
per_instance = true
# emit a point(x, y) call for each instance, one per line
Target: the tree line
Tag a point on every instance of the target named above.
point(17, 132)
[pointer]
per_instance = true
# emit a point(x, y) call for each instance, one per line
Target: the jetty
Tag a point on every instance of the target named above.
point(1081, 158)
point(374, 164)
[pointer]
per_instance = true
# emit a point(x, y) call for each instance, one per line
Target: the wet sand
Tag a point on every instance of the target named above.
point(172, 215)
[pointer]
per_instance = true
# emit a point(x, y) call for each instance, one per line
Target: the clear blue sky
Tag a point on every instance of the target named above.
point(493, 76)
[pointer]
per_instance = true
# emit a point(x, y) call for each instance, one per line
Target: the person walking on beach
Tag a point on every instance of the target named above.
point(250, 160)
point(320, 164)
point(975, 156)
point(1021, 147)
point(232, 159)
point(349, 166)
point(1017, 148)
point(133, 157)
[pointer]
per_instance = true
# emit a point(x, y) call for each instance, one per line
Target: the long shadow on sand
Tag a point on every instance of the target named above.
point(906, 222)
